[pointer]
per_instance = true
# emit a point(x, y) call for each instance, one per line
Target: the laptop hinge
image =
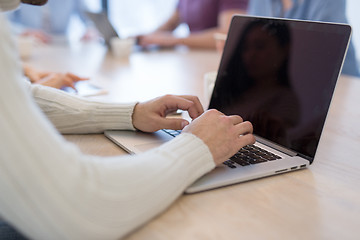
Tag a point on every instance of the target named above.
point(276, 146)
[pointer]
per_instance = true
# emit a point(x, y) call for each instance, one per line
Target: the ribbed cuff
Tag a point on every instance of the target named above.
point(115, 116)
point(192, 152)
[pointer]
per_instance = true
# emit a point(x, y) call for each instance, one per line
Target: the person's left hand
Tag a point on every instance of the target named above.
point(150, 116)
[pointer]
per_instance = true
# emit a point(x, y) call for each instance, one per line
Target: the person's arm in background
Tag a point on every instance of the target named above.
point(162, 33)
point(205, 38)
point(201, 39)
point(171, 24)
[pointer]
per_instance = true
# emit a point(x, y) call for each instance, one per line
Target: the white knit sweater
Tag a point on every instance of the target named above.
point(50, 190)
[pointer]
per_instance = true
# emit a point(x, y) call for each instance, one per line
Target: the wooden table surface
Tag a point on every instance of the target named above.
point(322, 202)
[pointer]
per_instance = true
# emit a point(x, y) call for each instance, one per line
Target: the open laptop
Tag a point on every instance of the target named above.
point(279, 74)
point(103, 25)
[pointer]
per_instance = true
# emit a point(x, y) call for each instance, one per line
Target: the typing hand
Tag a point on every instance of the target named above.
point(224, 135)
point(150, 116)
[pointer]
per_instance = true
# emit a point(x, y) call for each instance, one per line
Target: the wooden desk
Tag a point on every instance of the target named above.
point(322, 202)
point(143, 76)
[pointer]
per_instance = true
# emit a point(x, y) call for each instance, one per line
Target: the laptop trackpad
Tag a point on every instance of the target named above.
point(137, 142)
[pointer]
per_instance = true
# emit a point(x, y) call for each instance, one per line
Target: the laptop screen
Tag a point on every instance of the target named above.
point(280, 75)
point(103, 25)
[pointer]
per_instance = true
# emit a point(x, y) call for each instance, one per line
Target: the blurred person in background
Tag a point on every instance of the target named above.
point(314, 10)
point(204, 19)
point(50, 22)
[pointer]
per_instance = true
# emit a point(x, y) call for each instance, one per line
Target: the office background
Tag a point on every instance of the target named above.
point(128, 17)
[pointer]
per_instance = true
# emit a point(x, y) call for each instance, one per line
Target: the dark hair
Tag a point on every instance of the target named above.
point(34, 2)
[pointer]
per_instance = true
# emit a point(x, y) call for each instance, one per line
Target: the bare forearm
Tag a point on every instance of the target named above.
point(204, 39)
point(170, 24)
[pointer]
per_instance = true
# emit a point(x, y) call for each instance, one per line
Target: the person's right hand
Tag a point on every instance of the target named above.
point(52, 79)
point(224, 135)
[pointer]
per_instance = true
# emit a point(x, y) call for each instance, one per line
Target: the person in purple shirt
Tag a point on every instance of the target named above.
point(203, 17)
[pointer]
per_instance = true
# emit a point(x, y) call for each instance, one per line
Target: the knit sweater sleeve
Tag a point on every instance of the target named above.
point(73, 114)
point(50, 190)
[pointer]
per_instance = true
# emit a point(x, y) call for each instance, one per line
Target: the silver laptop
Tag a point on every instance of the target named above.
point(279, 74)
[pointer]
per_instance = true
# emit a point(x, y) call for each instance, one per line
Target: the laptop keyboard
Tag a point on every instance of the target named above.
point(171, 132)
point(247, 155)
point(250, 154)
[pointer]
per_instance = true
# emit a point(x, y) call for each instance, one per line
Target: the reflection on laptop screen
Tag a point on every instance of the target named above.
point(280, 75)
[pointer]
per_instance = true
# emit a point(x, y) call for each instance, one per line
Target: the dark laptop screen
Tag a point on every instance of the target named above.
point(280, 75)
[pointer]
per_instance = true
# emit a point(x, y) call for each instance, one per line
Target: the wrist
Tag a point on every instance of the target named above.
point(134, 115)
point(180, 41)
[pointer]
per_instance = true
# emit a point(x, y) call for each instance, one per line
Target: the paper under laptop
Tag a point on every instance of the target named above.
point(279, 74)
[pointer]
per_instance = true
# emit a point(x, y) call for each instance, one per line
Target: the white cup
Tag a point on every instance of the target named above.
point(121, 48)
point(220, 39)
point(209, 83)
point(26, 46)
